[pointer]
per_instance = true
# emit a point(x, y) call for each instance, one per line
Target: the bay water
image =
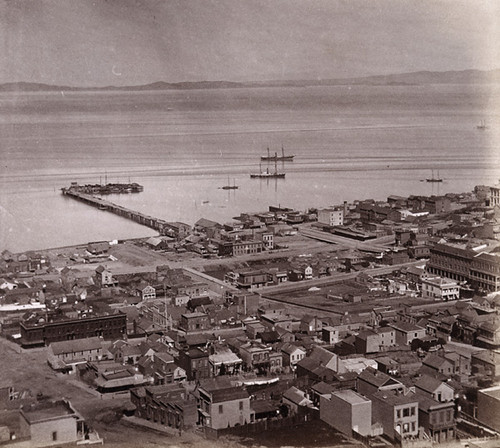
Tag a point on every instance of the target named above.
point(349, 142)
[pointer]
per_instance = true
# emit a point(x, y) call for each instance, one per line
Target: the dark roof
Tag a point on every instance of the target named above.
point(434, 361)
point(229, 394)
point(428, 383)
point(323, 388)
point(394, 398)
point(426, 403)
point(261, 406)
point(294, 395)
point(376, 377)
point(269, 336)
point(194, 353)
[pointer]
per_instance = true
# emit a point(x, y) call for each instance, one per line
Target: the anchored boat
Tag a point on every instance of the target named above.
point(434, 179)
point(268, 174)
point(276, 157)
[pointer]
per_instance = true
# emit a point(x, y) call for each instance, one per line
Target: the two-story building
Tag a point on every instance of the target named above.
point(255, 356)
point(195, 363)
point(437, 418)
point(435, 389)
point(292, 354)
point(347, 411)
point(222, 405)
point(397, 412)
point(190, 322)
point(406, 332)
point(439, 288)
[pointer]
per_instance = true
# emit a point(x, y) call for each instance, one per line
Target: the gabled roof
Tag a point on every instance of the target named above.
point(296, 396)
point(489, 356)
point(376, 378)
point(426, 403)
point(291, 348)
point(434, 361)
point(321, 355)
point(323, 388)
point(429, 383)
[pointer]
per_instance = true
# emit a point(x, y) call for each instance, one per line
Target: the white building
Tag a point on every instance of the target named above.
point(440, 288)
point(331, 216)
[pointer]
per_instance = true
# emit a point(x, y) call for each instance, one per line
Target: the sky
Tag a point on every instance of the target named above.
point(131, 42)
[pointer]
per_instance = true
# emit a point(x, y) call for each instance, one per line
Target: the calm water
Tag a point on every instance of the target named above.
point(350, 143)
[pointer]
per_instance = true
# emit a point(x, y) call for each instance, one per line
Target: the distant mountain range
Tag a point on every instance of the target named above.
point(423, 77)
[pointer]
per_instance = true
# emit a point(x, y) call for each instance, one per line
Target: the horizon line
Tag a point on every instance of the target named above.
point(242, 82)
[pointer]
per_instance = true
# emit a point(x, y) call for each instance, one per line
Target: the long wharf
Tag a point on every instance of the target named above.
point(149, 221)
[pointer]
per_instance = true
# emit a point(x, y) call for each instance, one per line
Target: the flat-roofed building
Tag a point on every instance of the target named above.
point(440, 288)
point(54, 423)
point(347, 411)
point(488, 407)
point(194, 322)
point(485, 272)
point(222, 405)
point(331, 216)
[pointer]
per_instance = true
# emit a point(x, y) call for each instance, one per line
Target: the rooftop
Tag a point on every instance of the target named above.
point(47, 411)
point(350, 396)
point(393, 398)
point(492, 392)
point(77, 345)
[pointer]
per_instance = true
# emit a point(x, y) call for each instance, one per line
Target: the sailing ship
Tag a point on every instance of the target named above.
point(229, 186)
point(267, 174)
point(283, 157)
point(482, 126)
point(434, 179)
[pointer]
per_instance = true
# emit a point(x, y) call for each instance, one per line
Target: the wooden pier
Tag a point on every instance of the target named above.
point(149, 221)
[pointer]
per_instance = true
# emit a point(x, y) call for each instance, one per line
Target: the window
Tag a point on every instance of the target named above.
point(221, 409)
point(412, 410)
point(54, 436)
point(406, 412)
point(413, 426)
point(398, 413)
point(406, 428)
point(241, 405)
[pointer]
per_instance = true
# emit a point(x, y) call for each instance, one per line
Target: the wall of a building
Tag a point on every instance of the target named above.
point(488, 408)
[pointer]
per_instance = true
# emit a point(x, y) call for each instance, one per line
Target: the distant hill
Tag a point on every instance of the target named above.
point(423, 77)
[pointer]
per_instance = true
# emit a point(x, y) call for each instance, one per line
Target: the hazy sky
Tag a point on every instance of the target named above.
point(124, 42)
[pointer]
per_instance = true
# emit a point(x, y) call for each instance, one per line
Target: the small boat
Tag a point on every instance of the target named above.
point(482, 126)
point(229, 186)
point(434, 179)
point(267, 174)
point(283, 157)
